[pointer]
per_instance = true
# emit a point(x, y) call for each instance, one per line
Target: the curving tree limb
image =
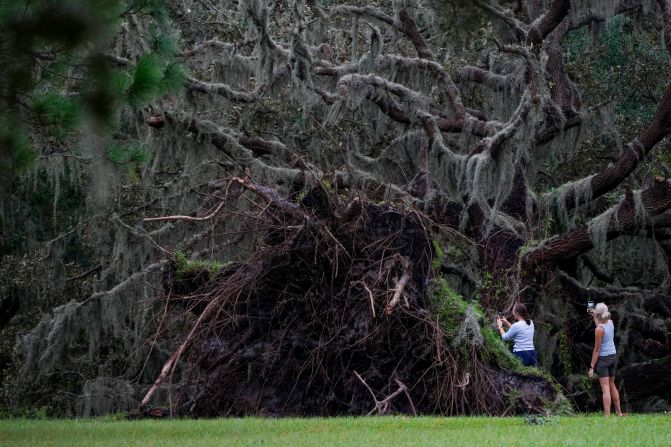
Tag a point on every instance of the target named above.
point(612, 176)
point(655, 199)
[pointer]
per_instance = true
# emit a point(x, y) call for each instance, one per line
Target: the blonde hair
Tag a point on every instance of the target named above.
point(601, 312)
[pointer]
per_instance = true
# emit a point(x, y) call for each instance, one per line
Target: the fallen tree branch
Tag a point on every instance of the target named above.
point(169, 366)
point(382, 406)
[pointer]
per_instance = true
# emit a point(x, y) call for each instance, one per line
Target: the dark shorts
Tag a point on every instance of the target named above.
point(527, 357)
point(605, 366)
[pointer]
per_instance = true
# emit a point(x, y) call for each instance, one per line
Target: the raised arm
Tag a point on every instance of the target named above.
point(510, 334)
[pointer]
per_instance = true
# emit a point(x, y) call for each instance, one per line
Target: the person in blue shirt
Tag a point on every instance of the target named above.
point(522, 332)
point(603, 358)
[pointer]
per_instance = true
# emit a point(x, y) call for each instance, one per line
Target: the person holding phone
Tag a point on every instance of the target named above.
point(522, 333)
point(603, 358)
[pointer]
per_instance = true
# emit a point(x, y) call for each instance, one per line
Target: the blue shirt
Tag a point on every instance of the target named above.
point(608, 340)
point(523, 334)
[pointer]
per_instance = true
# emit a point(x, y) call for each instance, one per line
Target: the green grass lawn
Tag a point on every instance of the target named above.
point(592, 430)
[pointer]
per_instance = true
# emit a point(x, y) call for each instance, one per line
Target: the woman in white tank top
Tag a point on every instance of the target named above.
point(603, 358)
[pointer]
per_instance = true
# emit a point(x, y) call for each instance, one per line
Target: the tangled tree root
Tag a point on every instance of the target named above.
point(331, 315)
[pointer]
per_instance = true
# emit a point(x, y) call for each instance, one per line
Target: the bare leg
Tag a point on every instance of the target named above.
point(605, 391)
point(615, 395)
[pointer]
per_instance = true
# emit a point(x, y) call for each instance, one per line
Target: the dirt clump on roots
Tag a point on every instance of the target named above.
point(330, 314)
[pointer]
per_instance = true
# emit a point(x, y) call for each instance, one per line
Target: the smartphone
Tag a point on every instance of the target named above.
point(590, 306)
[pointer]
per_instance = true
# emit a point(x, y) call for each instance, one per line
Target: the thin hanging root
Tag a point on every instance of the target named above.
point(400, 286)
point(465, 381)
point(372, 301)
point(370, 296)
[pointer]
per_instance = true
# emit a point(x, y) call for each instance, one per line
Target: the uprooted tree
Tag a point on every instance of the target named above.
point(385, 165)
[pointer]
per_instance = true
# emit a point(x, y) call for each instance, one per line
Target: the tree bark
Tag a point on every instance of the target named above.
point(645, 379)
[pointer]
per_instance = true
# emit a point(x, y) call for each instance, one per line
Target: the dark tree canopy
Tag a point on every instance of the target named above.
point(340, 198)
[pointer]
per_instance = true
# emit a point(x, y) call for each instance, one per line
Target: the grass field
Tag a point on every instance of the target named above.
point(592, 430)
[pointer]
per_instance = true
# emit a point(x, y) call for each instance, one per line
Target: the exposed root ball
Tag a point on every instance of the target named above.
point(331, 307)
